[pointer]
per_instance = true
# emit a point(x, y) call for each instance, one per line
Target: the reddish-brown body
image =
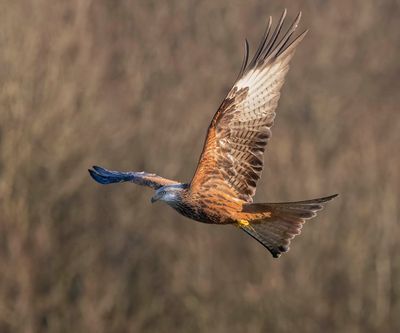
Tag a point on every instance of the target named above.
point(214, 207)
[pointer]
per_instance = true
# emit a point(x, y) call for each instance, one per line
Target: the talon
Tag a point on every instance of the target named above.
point(243, 223)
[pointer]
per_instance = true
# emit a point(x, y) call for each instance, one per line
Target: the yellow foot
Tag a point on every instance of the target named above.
point(243, 223)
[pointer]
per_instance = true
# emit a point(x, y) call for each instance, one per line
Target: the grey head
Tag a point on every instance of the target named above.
point(170, 194)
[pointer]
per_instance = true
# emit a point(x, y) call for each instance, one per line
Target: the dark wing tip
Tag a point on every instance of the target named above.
point(245, 59)
point(273, 46)
point(101, 175)
point(328, 198)
point(99, 169)
point(96, 176)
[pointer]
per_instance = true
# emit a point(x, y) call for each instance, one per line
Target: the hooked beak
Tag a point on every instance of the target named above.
point(155, 198)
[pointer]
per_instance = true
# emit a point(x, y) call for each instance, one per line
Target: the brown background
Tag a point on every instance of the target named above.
point(133, 85)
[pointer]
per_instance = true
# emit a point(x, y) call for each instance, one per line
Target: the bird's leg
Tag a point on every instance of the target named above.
point(243, 223)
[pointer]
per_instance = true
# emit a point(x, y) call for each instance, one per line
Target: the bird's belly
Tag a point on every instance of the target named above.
point(203, 215)
point(196, 214)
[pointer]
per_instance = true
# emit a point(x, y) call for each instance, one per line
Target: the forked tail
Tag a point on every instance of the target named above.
point(274, 225)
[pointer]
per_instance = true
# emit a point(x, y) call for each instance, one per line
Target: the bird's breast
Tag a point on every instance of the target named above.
point(207, 210)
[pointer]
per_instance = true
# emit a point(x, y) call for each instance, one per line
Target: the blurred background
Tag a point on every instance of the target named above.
point(132, 85)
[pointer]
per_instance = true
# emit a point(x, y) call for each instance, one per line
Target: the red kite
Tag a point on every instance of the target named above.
point(231, 163)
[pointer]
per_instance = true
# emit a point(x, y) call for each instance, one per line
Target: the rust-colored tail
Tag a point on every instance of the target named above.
point(282, 222)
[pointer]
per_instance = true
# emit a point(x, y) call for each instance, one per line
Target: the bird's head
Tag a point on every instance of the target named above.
point(168, 193)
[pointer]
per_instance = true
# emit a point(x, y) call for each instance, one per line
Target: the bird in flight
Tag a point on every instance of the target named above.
point(231, 162)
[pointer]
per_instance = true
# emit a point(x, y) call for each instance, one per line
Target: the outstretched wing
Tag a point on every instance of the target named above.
point(104, 176)
point(232, 157)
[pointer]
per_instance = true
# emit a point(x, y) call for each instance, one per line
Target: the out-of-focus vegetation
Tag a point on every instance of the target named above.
point(133, 85)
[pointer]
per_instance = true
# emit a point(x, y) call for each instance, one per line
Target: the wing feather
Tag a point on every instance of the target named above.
point(104, 176)
point(232, 157)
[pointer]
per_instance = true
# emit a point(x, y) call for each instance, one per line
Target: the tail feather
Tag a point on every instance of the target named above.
point(281, 222)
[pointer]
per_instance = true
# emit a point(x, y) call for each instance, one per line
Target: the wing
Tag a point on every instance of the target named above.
point(104, 176)
point(232, 157)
